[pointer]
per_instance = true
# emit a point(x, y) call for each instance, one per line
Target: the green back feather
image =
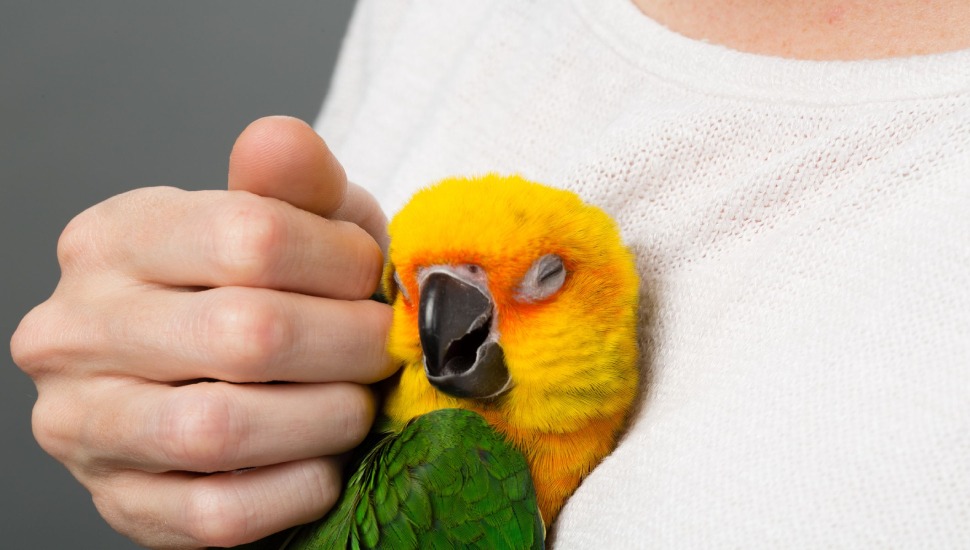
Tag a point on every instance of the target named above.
point(447, 480)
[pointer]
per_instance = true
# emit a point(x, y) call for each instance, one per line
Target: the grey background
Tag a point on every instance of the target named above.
point(102, 96)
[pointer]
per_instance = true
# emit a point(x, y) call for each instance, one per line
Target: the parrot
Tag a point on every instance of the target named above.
point(515, 308)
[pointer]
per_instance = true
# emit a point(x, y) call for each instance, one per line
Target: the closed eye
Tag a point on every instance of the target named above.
point(543, 279)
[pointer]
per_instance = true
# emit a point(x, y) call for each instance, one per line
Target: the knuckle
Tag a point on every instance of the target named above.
point(28, 345)
point(54, 337)
point(109, 507)
point(48, 425)
point(113, 510)
point(76, 241)
point(249, 234)
point(132, 516)
point(198, 428)
point(93, 236)
point(245, 332)
point(216, 517)
point(121, 513)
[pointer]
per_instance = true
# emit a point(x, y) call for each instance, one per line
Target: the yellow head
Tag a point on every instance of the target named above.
point(525, 299)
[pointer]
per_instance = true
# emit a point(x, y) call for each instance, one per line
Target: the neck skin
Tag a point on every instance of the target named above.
point(820, 29)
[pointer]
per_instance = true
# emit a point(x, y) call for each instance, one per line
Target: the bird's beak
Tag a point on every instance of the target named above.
point(461, 356)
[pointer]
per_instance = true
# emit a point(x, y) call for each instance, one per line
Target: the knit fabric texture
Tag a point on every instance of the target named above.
point(802, 230)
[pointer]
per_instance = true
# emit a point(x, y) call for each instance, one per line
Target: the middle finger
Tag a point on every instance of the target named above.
point(240, 334)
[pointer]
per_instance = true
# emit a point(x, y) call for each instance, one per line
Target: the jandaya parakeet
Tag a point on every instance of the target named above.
point(515, 314)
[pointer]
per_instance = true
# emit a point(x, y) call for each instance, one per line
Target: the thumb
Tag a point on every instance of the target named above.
point(283, 158)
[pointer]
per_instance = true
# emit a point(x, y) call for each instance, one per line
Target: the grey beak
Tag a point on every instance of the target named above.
point(454, 323)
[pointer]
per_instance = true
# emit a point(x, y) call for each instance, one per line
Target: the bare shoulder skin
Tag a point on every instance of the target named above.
point(820, 29)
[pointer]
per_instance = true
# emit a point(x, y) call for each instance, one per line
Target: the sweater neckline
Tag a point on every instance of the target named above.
point(717, 70)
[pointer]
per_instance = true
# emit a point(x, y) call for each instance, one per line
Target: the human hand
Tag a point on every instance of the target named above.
point(173, 305)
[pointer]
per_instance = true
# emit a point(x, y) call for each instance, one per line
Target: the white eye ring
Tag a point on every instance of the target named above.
point(401, 288)
point(544, 278)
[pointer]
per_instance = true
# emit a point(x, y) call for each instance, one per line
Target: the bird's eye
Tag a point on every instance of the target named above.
point(544, 278)
point(550, 269)
point(401, 288)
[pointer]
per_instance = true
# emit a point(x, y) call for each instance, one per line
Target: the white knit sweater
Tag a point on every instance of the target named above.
point(803, 234)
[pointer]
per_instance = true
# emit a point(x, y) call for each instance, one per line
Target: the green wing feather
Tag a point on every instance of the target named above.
point(447, 480)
